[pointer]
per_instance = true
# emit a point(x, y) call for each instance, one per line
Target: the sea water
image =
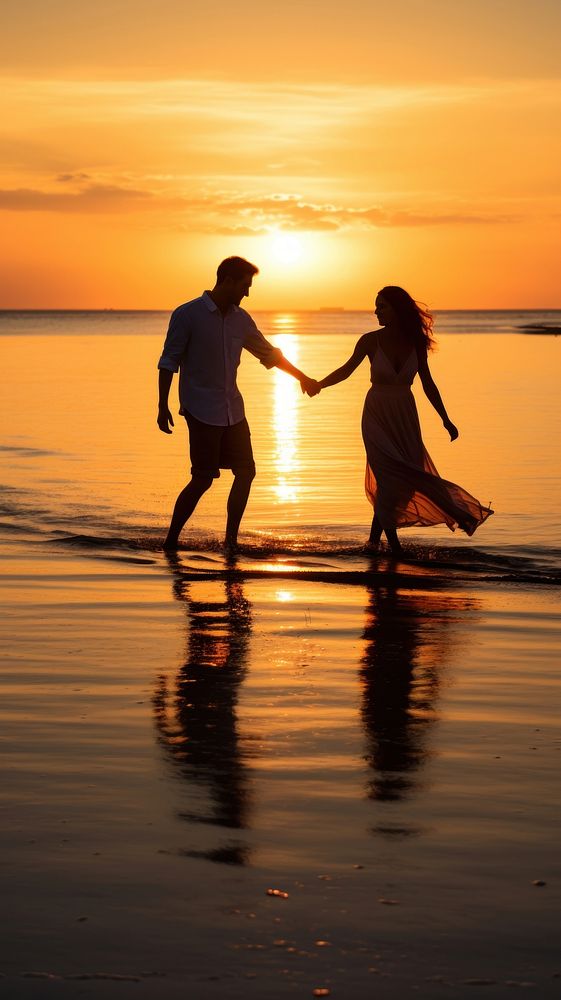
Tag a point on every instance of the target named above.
point(84, 461)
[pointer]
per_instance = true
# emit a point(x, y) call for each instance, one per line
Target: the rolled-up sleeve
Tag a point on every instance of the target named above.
point(176, 341)
point(257, 345)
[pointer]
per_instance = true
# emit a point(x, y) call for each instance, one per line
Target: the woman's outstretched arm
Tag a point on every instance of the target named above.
point(340, 374)
point(431, 392)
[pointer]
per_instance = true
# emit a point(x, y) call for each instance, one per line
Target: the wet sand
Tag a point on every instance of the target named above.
point(383, 752)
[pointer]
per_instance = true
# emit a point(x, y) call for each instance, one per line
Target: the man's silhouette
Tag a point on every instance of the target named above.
point(204, 343)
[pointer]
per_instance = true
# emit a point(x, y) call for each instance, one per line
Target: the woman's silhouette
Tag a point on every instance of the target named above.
point(401, 480)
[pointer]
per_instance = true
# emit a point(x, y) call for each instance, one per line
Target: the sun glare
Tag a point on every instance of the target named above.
point(287, 248)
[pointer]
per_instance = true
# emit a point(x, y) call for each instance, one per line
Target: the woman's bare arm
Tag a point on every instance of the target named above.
point(342, 373)
point(433, 395)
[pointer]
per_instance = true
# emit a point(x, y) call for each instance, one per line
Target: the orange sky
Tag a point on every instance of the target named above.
point(338, 149)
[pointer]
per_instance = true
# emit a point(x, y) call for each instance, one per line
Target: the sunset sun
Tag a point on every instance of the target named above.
point(286, 248)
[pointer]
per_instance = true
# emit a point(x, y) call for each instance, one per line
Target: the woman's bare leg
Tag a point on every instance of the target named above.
point(373, 542)
point(393, 541)
point(375, 531)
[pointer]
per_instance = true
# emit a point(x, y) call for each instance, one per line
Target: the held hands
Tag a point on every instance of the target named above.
point(452, 429)
point(165, 419)
point(309, 386)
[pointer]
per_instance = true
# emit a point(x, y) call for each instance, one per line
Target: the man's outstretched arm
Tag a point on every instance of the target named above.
point(308, 384)
point(272, 357)
point(164, 416)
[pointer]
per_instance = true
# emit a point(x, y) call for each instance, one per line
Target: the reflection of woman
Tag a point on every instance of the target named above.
point(401, 480)
point(406, 646)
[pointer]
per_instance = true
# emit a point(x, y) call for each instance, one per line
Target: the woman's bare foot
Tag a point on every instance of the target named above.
point(371, 548)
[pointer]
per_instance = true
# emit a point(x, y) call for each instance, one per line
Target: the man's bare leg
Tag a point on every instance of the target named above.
point(237, 502)
point(184, 507)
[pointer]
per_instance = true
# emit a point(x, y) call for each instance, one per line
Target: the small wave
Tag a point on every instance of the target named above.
point(9, 528)
point(21, 451)
point(334, 558)
point(97, 542)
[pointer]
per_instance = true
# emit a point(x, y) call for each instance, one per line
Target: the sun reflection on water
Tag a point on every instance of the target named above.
point(285, 322)
point(284, 596)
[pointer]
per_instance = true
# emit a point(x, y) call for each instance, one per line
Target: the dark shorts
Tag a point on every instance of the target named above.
point(214, 448)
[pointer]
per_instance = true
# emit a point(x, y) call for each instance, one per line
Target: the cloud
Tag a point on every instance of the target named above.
point(72, 178)
point(229, 213)
point(285, 113)
point(240, 214)
point(93, 198)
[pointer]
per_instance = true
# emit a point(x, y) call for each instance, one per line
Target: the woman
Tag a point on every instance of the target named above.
point(402, 483)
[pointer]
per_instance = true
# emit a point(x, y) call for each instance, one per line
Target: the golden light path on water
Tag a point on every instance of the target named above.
point(286, 417)
point(283, 596)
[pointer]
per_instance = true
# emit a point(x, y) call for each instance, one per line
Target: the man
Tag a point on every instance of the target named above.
point(204, 342)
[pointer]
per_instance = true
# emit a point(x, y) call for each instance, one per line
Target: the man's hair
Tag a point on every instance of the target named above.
point(236, 268)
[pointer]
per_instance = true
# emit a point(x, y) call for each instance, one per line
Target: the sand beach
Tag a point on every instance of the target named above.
point(269, 787)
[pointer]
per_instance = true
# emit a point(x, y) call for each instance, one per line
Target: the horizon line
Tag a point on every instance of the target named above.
point(285, 309)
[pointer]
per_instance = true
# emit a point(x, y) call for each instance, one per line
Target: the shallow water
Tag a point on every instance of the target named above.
point(82, 454)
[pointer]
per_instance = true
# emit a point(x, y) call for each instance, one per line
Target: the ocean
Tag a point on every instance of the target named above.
point(85, 465)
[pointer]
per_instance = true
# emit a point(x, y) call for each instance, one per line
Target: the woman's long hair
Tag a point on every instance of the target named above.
point(415, 321)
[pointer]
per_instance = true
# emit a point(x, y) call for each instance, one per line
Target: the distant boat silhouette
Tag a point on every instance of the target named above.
point(553, 331)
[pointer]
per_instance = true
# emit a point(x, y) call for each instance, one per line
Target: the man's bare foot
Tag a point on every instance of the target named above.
point(230, 548)
point(171, 544)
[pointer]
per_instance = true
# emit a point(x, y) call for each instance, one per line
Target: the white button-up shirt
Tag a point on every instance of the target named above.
point(205, 347)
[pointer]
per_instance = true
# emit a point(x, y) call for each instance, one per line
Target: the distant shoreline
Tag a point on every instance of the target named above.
point(541, 328)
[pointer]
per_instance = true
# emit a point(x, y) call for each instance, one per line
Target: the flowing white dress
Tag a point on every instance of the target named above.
point(402, 483)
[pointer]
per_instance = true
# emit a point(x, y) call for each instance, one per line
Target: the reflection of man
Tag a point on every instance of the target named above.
point(204, 342)
point(197, 716)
